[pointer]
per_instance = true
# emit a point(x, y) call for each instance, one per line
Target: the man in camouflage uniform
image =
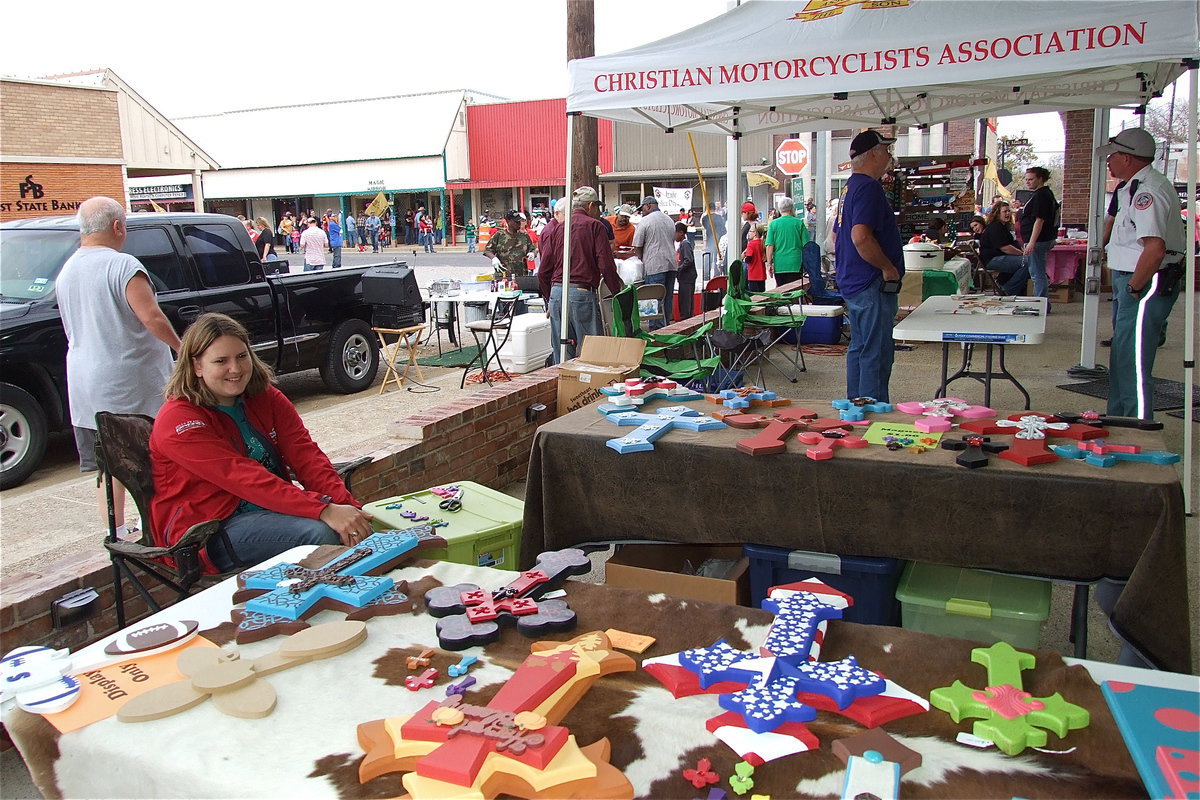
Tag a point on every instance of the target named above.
point(512, 247)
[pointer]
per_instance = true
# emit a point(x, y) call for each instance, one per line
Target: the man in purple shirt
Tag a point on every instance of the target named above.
point(591, 262)
point(870, 263)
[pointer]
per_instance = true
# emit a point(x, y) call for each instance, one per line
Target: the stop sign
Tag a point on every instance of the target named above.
point(791, 157)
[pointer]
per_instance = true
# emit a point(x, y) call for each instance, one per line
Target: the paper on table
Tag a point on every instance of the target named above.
point(106, 689)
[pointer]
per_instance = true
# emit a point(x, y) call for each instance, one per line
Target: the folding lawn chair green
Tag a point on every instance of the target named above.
point(780, 312)
point(682, 357)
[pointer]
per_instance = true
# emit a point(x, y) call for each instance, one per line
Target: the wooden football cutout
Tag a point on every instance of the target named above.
point(162, 636)
point(161, 702)
point(255, 700)
point(223, 677)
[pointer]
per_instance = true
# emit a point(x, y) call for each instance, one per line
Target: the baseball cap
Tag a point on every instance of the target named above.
point(1135, 142)
point(867, 140)
point(748, 208)
point(586, 194)
point(311, 220)
point(649, 201)
point(513, 214)
point(624, 211)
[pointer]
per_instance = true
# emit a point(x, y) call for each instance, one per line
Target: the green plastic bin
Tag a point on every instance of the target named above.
point(485, 533)
point(972, 604)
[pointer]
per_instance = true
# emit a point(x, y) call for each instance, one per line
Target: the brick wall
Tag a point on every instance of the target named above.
point(1077, 166)
point(483, 437)
point(960, 136)
point(59, 120)
point(62, 187)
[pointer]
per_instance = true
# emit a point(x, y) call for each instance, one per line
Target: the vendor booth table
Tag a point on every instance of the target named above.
point(939, 319)
point(1065, 521)
point(307, 747)
point(1063, 261)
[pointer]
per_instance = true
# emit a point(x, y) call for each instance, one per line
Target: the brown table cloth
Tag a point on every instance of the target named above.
point(1068, 521)
point(307, 747)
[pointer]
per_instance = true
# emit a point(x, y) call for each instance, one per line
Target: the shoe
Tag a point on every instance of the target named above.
point(1106, 342)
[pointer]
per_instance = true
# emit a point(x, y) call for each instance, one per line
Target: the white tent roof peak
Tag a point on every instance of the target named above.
point(822, 64)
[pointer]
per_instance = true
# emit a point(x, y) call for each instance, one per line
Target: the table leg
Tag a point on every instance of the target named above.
point(987, 376)
point(941, 392)
point(964, 371)
point(1079, 615)
point(390, 375)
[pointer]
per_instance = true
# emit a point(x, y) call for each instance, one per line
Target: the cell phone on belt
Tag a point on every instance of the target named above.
point(891, 287)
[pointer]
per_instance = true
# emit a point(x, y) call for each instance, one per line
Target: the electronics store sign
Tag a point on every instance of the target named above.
point(162, 191)
point(33, 197)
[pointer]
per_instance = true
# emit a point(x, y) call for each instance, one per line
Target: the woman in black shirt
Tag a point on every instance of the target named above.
point(998, 249)
point(1038, 230)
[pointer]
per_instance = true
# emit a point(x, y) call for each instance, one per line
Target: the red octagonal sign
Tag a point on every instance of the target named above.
point(791, 157)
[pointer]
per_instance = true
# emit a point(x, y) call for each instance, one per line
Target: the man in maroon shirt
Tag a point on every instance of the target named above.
point(591, 262)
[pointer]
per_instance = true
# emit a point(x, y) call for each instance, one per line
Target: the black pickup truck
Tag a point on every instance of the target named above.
point(198, 263)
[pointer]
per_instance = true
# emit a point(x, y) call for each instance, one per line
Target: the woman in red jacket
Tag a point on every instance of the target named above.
point(222, 446)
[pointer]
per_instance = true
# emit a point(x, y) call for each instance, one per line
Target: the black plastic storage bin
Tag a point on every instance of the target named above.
point(870, 581)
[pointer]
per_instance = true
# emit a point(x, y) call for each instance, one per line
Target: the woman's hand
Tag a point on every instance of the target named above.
point(1028, 248)
point(351, 524)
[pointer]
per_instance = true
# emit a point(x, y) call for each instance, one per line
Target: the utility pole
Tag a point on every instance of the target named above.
point(581, 43)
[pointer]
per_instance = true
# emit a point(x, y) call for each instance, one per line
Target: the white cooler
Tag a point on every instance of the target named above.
point(528, 344)
point(922, 256)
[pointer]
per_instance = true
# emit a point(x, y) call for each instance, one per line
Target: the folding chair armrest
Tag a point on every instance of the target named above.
point(346, 469)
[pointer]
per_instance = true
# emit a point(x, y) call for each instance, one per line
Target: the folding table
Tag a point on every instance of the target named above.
point(408, 338)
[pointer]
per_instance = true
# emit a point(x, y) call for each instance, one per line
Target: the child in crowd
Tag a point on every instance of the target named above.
point(754, 257)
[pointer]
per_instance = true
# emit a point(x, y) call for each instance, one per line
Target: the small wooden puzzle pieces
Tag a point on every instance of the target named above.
point(235, 686)
point(741, 781)
point(652, 426)
point(822, 445)
point(461, 687)
point(278, 599)
point(460, 669)
point(974, 448)
point(425, 680)
point(36, 679)
point(938, 415)
point(418, 661)
point(855, 409)
point(635, 392)
point(1100, 453)
point(1007, 715)
point(470, 616)
point(515, 744)
point(702, 775)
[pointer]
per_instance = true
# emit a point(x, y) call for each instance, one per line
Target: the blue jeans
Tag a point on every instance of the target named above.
point(1015, 270)
point(1136, 331)
point(427, 242)
point(351, 237)
point(666, 279)
point(584, 319)
point(1036, 263)
point(313, 267)
point(872, 350)
point(471, 245)
point(259, 535)
point(337, 256)
point(374, 234)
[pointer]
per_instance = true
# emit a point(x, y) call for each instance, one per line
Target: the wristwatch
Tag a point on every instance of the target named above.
point(1135, 292)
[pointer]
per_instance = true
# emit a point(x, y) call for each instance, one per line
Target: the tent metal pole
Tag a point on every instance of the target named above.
point(821, 172)
point(564, 331)
point(1189, 312)
point(1096, 212)
point(733, 201)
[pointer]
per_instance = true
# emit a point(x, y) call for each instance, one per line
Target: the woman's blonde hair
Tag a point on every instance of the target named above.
point(184, 383)
point(262, 223)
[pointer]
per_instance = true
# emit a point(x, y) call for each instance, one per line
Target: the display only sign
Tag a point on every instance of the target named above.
point(791, 157)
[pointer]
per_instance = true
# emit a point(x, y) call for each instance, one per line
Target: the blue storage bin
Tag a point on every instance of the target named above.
point(870, 581)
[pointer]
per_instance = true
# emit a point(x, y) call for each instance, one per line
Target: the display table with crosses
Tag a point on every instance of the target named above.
point(1067, 520)
point(309, 746)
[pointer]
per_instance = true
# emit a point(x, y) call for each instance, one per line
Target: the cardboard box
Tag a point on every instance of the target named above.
point(602, 360)
point(660, 568)
point(1064, 293)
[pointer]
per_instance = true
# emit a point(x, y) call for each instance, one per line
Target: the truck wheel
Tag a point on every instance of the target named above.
point(353, 359)
point(22, 435)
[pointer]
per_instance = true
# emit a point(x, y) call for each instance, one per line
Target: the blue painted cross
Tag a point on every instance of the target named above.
point(652, 426)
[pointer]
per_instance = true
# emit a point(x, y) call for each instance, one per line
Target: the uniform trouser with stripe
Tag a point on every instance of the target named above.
point(1136, 332)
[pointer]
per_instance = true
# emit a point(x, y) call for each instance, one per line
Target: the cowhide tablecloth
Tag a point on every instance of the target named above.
point(308, 746)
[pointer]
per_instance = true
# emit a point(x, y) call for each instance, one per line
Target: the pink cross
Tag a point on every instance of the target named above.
point(823, 445)
point(937, 415)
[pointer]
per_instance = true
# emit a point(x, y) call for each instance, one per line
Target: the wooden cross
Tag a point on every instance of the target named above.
point(974, 447)
point(514, 745)
point(278, 599)
point(1100, 453)
point(776, 429)
point(471, 616)
point(747, 397)
point(1007, 715)
point(937, 415)
point(653, 426)
point(822, 445)
point(1104, 421)
point(635, 392)
point(1030, 431)
point(854, 409)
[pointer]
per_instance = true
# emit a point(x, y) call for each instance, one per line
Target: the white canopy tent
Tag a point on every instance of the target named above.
point(832, 64)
